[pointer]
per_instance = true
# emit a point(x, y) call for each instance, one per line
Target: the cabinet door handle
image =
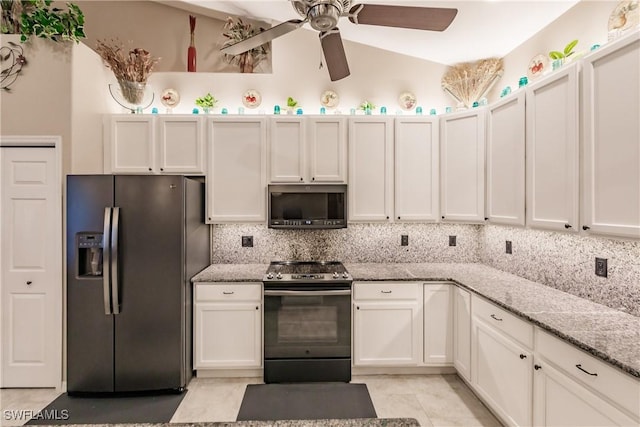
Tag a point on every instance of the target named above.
point(313, 178)
point(537, 367)
point(586, 227)
point(386, 292)
point(257, 307)
point(357, 307)
point(523, 356)
point(150, 169)
point(567, 226)
point(29, 282)
point(579, 366)
point(493, 316)
point(161, 169)
point(301, 179)
point(387, 216)
point(227, 293)
point(443, 217)
point(398, 217)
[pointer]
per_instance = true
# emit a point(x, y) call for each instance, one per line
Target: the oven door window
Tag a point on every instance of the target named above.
point(307, 326)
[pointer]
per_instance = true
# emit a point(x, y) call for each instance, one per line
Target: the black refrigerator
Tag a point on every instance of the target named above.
point(133, 243)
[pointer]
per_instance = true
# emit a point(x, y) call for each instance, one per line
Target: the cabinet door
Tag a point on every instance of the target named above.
point(286, 149)
point(327, 149)
point(505, 161)
point(416, 168)
point(386, 333)
point(462, 166)
point(438, 325)
point(552, 151)
point(612, 139)
point(502, 374)
point(236, 179)
point(462, 333)
point(131, 144)
point(228, 335)
point(181, 145)
point(560, 401)
point(370, 168)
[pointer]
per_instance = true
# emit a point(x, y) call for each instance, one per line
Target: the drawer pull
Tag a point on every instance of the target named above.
point(386, 292)
point(227, 293)
point(493, 316)
point(537, 367)
point(579, 366)
point(523, 356)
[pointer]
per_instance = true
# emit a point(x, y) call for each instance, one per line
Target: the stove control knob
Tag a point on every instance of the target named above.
point(279, 276)
point(269, 275)
point(335, 275)
point(345, 275)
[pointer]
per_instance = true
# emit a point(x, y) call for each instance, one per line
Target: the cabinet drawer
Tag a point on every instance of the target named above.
point(618, 387)
point(228, 292)
point(386, 291)
point(516, 328)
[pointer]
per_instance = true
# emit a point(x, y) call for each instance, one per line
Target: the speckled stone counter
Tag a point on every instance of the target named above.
point(231, 273)
point(355, 422)
point(608, 334)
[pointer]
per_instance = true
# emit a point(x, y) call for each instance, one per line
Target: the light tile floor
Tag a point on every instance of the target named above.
point(434, 400)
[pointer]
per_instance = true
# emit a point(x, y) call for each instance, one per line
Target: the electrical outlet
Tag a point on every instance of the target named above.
point(404, 240)
point(601, 267)
point(247, 241)
point(509, 248)
point(452, 240)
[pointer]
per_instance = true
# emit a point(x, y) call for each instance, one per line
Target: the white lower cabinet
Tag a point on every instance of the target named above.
point(502, 366)
point(462, 332)
point(572, 388)
point(438, 324)
point(387, 324)
point(227, 325)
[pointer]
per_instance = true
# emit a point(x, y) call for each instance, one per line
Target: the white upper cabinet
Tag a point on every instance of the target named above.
point(370, 168)
point(129, 144)
point(286, 149)
point(612, 139)
point(180, 144)
point(236, 178)
point(309, 149)
point(327, 149)
point(416, 168)
point(150, 145)
point(552, 150)
point(462, 147)
point(505, 160)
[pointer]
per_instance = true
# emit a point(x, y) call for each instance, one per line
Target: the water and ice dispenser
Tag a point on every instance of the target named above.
point(89, 253)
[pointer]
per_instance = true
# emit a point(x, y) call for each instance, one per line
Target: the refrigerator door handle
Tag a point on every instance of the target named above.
point(115, 299)
point(106, 261)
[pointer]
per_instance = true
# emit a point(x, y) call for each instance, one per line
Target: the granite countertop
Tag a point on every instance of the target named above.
point(611, 335)
point(351, 422)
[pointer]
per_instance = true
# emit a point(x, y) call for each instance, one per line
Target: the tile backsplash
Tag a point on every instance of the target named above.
point(560, 260)
point(567, 262)
point(356, 243)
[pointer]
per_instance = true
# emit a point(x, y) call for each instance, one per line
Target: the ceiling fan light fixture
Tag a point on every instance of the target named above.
point(323, 17)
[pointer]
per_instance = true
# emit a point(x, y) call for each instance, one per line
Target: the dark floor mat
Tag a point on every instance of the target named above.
point(157, 408)
point(313, 401)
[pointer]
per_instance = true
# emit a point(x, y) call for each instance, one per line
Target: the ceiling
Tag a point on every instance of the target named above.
point(481, 29)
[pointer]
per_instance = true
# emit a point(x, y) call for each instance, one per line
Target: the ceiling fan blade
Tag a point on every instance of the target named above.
point(263, 37)
point(417, 18)
point(334, 55)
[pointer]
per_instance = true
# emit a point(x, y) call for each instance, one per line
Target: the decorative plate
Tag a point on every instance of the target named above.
point(170, 98)
point(251, 98)
point(329, 99)
point(537, 66)
point(407, 101)
point(625, 15)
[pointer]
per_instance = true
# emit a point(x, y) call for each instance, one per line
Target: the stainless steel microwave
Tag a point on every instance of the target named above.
point(307, 206)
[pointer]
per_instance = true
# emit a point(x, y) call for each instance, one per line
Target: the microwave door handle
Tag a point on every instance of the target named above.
point(106, 261)
point(307, 293)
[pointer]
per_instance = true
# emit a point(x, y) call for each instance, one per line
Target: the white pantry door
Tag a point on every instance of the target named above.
point(31, 263)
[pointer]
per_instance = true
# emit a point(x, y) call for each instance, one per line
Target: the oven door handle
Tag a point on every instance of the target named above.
point(307, 293)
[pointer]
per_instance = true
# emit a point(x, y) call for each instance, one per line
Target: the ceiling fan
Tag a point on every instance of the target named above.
point(323, 16)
